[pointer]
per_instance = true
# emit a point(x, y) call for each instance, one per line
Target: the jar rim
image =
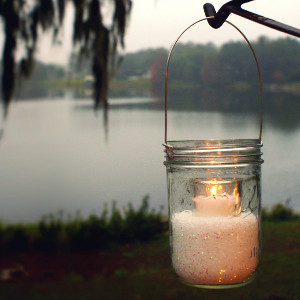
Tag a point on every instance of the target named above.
point(214, 152)
point(214, 143)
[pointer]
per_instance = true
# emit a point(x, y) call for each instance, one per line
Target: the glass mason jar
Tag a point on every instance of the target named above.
point(214, 194)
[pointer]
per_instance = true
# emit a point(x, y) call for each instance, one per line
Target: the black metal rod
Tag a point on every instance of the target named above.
point(235, 7)
point(264, 21)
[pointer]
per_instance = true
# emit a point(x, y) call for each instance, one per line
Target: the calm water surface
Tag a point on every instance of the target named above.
point(59, 154)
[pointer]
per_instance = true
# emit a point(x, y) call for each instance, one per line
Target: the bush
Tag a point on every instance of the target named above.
point(60, 233)
point(16, 238)
point(279, 212)
point(57, 233)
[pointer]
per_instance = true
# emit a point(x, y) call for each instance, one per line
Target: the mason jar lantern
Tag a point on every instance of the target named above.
point(214, 195)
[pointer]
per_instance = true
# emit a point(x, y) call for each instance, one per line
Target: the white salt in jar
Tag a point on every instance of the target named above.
point(214, 193)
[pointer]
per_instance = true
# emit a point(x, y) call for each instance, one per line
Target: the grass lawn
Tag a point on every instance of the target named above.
point(143, 271)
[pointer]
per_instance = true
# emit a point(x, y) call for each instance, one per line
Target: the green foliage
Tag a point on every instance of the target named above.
point(61, 233)
point(120, 273)
point(75, 277)
point(264, 214)
point(139, 63)
point(141, 224)
point(224, 78)
point(279, 212)
point(43, 71)
point(233, 62)
point(17, 237)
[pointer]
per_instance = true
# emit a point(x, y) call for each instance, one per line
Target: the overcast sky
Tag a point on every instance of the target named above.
point(157, 23)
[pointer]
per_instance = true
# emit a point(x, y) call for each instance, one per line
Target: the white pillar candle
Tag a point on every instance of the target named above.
point(214, 250)
point(216, 205)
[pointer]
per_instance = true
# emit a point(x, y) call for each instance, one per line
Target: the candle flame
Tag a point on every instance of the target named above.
point(215, 188)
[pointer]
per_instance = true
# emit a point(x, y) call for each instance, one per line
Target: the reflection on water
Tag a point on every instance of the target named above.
point(281, 108)
point(56, 154)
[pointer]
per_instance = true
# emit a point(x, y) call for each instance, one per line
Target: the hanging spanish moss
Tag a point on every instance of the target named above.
point(24, 21)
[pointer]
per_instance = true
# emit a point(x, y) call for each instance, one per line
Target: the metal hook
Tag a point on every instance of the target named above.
point(235, 7)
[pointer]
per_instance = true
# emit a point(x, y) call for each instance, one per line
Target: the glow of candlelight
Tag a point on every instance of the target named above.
point(215, 188)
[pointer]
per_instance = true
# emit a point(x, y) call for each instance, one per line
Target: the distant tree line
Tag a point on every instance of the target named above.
point(232, 64)
point(224, 78)
point(44, 71)
point(229, 64)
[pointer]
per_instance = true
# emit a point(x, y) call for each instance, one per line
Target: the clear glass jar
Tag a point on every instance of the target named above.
point(214, 194)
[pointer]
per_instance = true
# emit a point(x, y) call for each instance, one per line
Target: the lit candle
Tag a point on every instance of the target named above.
point(213, 199)
point(216, 244)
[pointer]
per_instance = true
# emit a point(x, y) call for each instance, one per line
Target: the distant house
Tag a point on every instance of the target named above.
point(88, 82)
point(143, 76)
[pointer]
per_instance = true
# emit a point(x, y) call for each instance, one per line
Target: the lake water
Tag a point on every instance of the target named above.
point(60, 154)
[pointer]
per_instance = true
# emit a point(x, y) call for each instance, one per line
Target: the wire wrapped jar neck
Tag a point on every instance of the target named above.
point(213, 153)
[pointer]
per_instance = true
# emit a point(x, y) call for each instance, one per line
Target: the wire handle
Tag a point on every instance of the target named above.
point(169, 147)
